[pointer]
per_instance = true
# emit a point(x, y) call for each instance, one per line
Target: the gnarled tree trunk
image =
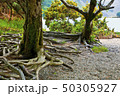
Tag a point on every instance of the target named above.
point(90, 15)
point(87, 30)
point(32, 41)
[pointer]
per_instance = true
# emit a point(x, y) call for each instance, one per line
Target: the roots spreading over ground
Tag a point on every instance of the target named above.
point(13, 66)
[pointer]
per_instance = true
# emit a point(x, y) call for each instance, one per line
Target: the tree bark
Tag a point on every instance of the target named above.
point(33, 36)
point(87, 30)
point(88, 18)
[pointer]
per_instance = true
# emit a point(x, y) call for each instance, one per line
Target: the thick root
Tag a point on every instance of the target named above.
point(36, 64)
point(86, 44)
point(26, 72)
point(41, 67)
point(53, 54)
point(14, 69)
point(3, 78)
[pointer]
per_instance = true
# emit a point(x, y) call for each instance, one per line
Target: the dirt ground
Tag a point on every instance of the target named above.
point(88, 65)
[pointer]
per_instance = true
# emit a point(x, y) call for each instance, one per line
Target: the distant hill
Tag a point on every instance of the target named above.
point(109, 13)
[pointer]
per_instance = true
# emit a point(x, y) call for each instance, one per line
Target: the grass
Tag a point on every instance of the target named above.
point(99, 49)
point(14, 26)
point(117, 33)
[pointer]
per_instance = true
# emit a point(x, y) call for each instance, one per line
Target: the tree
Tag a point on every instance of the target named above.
point(32, 42)
point(31, 46)
point(58, 12)
point(90, 15)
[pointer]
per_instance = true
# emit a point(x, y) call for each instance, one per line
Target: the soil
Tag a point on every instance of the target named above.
point(88, 65)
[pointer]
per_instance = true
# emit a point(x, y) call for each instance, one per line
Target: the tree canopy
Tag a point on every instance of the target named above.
point(58, 11)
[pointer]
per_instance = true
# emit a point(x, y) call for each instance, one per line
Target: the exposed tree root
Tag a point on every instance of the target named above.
point(9, 75)
point(3, 78)
point(16, 70)
point(30, 69)
point(68, 66)
point(88, 45)
point(37, 63)
point(40, 68)
point(61, 51)
point(53, 54)
point(72, 37)
point(26, 72)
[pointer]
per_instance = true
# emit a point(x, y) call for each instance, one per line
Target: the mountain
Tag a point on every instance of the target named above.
point(109, 13)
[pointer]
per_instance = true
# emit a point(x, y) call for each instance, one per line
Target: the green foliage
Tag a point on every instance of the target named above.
point(117, 33)
point(16, 6)
point(14, 26)
point(61, 26)
point(78, 26)
point(58, 12)
point(99, 49)
point(55, 73)
point(17, 24)
point(86, 8)
point(54, 39)
point(44, 29)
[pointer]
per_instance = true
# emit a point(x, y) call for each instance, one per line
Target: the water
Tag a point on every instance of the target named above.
point(112, 23)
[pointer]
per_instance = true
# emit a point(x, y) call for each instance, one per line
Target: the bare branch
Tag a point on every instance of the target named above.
point(110, 3)
point(73, 7)
point(102, 7)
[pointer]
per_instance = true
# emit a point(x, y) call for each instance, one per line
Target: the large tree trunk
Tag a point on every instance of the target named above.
point(87, 30)
point(33, 36)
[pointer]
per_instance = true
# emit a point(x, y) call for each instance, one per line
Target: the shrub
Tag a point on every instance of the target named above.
point(59, 12)
point(61, 26)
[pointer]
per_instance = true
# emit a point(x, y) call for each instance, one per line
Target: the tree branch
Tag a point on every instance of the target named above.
point(93, 3)
point(73, 7)
point(101, 7)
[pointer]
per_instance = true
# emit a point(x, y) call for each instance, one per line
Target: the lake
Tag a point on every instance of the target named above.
point(112, 23)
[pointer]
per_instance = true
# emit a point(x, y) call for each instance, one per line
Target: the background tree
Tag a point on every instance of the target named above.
point(57, 16)
point(99, 29)
point(90, 15)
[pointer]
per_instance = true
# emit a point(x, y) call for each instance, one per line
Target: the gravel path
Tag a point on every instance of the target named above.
point(87, 66)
